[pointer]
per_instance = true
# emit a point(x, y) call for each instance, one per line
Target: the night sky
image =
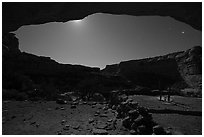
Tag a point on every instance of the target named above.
point(102, 39)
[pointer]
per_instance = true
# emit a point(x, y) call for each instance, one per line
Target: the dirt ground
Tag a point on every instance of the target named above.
point(49, 118)
point(177, 118)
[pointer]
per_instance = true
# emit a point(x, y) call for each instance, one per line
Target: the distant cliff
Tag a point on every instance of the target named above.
point(181, 69)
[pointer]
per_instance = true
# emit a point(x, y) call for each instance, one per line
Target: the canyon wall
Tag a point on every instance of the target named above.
point(181, 68)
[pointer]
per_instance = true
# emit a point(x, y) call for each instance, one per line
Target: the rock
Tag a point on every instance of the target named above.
point(133, 114)
point(168, 69)
point(59, 132)
point(109, 127)
point(91, 120)
point(168, 132)
point(32, 123)
point(103, 115)
point(133, 132)
point(49, 109)
point(76, 126)
point(124, 98)
point(134, 126)
point(105, 112)
point(80, 103)
point(99, 131)
point(97, 112)
point(143, 111)
point(141, 130)
point(129, 100)
point(60, 101)
point(158, 130)
point(148, 117)
point(134, 105)
point(63, 121)
point(73, 106)
point(98, 97)
point(66, 127)
point(138, 121)
point(126, 122)
point(75, 103)
point(101, 125)
point(37, 125)
point(113, 107)
point(197, 50)
point(105, 108)
point(84, 102)
point(62, 108)
point(110, 120)
point(94, 103)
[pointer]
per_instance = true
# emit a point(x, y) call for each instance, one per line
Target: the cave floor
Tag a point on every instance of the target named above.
point(49, 118)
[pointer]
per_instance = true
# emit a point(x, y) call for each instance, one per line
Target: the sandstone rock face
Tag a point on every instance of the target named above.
point(165, 70)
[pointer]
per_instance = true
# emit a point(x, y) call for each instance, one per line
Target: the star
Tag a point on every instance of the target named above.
point(182, 32)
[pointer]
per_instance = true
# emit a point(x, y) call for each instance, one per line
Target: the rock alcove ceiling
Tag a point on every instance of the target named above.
point(19, 14)
point(16, 15)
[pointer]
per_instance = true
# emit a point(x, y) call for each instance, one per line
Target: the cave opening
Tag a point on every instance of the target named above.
point(102, 39)
point(102, 68)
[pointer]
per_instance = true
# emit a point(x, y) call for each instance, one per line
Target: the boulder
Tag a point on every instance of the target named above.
point(62, 108)
point(91, 120)
point(75, 103)
point(60, 101)
point(133, 105)
point(103, 115)
point(158, 130)
point(99, 131)
point(110, 120)
point(101, 125)
point(66, 127)
point(63, 121)
point(126, 122)
point(143, 111)
point(142, 130)
point(76, 126)
point(138, 121)
point(98, 97)
point(133, 132)
point(133, 114)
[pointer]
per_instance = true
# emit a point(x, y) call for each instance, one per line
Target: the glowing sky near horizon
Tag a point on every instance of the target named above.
point(102, 39)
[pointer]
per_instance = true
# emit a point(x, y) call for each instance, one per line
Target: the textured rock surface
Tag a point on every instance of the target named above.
point(99, 132)
point(179, 67)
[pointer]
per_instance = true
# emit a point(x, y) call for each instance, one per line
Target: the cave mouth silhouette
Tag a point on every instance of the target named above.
point(98, 40)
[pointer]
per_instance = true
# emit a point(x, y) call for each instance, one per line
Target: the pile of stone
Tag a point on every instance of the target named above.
point(137, 119)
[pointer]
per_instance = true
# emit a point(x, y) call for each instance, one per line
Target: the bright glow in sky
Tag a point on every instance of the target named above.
point(102, 39)
point(77, 21)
